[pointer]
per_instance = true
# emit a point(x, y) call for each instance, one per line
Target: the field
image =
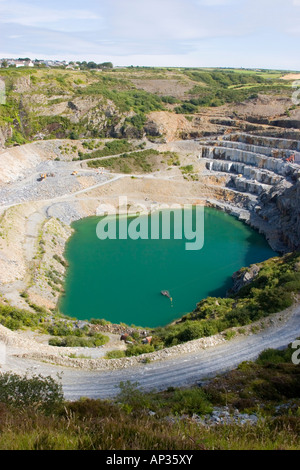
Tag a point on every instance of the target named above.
point(50, 103)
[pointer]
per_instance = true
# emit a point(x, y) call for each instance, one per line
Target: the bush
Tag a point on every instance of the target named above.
point(99, 321)
point(187, 169)
point(34, 392)
point(76, 342)
point(137, 350)
point(230, 334)
point(272, 301)
point(113, 147)
point(74, 135)
point(116, 354)
point(14, 318)
point(190, 401)
point(275, 356)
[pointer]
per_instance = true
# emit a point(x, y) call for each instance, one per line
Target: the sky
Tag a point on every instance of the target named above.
point(174, 33)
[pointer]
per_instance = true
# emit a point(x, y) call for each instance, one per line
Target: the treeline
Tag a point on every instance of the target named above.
point(92, 65)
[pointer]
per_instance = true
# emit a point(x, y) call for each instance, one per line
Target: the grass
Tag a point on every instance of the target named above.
point(34, 415)
point(141, 161)
point(120, 108)
point(61, 329)
point(114, 147)
point(73, 341)
point(115, 354)
point(15, 319)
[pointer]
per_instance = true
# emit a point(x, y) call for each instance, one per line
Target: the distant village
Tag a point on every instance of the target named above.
point(26, 62)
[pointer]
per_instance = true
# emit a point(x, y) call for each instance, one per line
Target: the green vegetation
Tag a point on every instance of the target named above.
point(217, 88)
point(114, 147)
point(128, 162)
point(119, 107)
point(124, 95)
point(173, 160)
point(94, 341)
point(36, 392)
point(224, 79)
point(187, 169)
point(34, 415)
point(15, 319)
point(270, 381)
point(138, 349)
point(115, 354)
point(63, 331)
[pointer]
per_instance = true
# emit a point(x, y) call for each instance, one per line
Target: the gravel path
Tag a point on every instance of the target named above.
point(183, 370)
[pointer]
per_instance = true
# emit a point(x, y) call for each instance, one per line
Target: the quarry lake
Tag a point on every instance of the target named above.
point(121, 280)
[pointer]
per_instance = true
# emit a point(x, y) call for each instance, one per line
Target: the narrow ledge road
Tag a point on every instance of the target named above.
point(184, 370)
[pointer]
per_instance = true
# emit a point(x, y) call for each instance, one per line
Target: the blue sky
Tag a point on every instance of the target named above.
point(189, 33)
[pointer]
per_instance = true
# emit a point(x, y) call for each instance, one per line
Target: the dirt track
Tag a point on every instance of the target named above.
point(185, 369)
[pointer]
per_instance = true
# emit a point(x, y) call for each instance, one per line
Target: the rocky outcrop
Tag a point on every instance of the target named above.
point(153, 129)
point(281, 208)
point(5, 134)
point(243, 277)
point(260, 166)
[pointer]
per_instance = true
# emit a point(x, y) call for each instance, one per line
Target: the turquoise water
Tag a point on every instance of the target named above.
point(122, 280)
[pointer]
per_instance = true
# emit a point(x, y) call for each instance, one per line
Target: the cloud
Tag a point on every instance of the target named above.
point(186, 31)
point(213, 3)
point(28, 14)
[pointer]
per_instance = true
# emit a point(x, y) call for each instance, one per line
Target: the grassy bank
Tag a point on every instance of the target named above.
point(63, 330)
point(35, 416)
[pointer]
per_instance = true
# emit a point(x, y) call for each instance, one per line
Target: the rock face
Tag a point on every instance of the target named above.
point(243, 277)
point(281, 207)
point(223, 415)
point(5, 134)
point(268, 170)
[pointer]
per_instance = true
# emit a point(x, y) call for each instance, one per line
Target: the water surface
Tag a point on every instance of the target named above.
point(122, 280)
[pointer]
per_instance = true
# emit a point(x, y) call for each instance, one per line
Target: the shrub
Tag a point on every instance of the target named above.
point(76, 342)
point(14, 318)
point(136, 350)
point(113, 147)
point(34, 392)
point(190, 401)
point(74, 135)
point(275, 356)
point(187, 169)
point(230, 334)
point(115, 354)
point(98, 321)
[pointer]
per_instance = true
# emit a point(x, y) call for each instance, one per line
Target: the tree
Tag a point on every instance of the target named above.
point(4, 64)
point(36, 391)
point(106, 65)
point(92, 65)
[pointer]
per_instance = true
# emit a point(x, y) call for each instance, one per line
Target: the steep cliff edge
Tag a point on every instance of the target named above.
point(281, 208)
point(268, 169)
